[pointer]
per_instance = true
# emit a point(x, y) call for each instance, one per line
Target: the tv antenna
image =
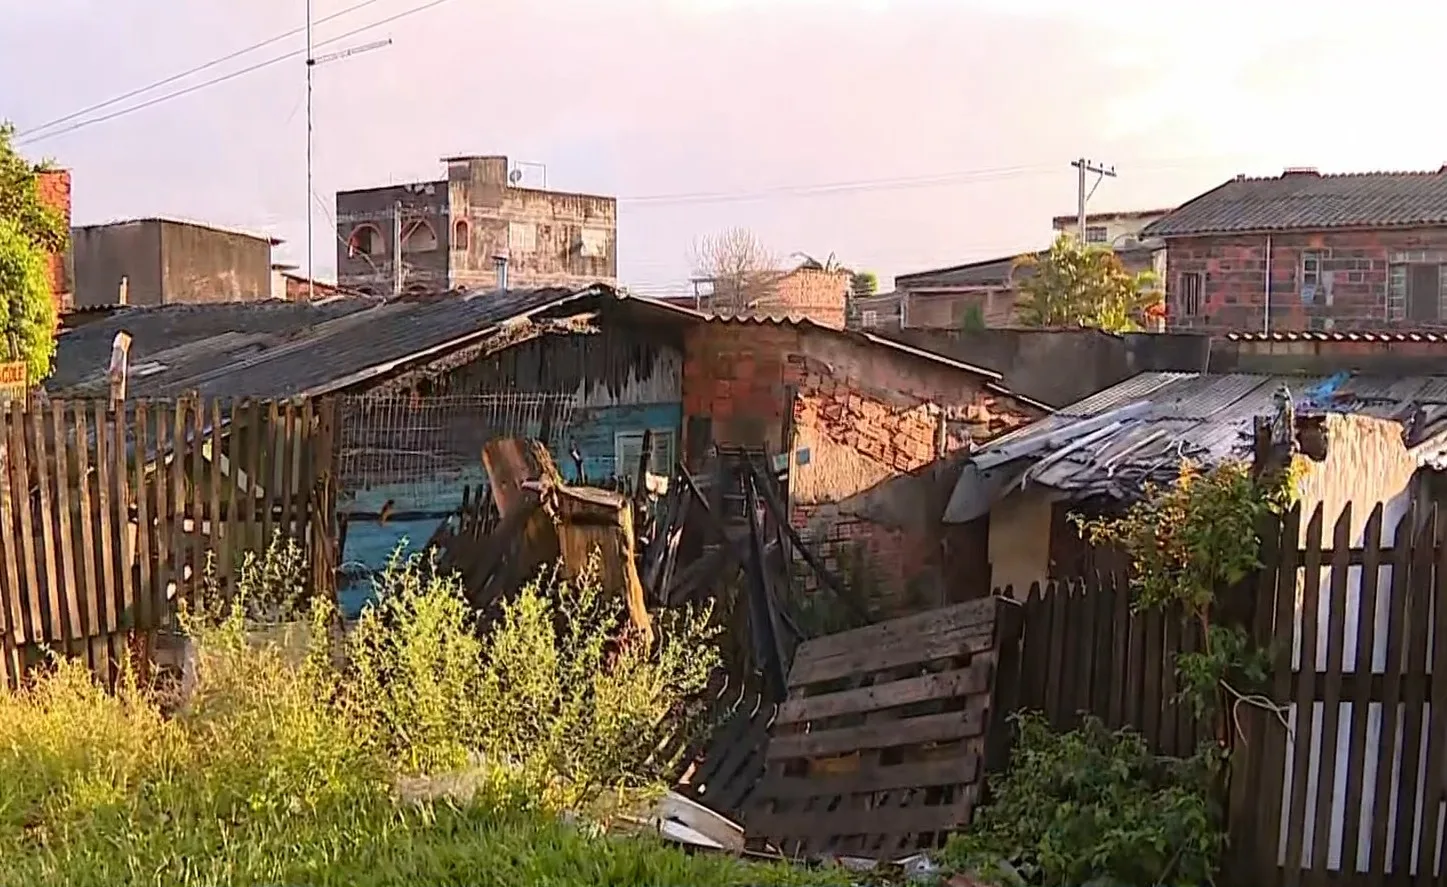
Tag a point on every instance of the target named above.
point(311, 62)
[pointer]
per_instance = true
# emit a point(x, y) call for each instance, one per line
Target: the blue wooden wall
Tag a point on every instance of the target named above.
point(644, 395)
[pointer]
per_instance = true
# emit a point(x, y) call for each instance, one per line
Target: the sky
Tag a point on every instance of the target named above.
point(899, 135)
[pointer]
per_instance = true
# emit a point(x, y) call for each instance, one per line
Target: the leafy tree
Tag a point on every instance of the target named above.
point(29, 318)
point(1076, 284)
point(863, 283)
point(29, 232)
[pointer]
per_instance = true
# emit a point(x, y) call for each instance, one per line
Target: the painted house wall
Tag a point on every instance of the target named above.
point(622, 380)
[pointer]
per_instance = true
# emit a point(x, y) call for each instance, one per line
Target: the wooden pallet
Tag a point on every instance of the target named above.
point(879, 749)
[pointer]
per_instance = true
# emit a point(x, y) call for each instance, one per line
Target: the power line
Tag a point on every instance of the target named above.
point(220, 60)
point(225, 77)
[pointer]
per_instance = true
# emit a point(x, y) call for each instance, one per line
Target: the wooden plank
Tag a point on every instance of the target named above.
point(813, 824)
point(200, 491)
point(1306, 694)
point(1059, 616)
point(960, 642)
point(1331, 706)
point(1170, 702)
point(159, 494)
point(974, 678)
point(78, 601)
point(1436, 785)
point(1361, 690)
point(1275, 746)
point(1103, 679)
point(126, 541)
point(10, 505)
point(1082, 648)
point(907, 629)
point(44, 478)
point(1035, 650)
point(94, 593)
point(255, 439)
point(1120, 650)
point(1414, 696)
point(140, 603)
point(270, 475)
point(1153, 633)
point(963, 770)
point(884, 734)
point(176, 508)
point(307, 462)
point(219, 535)
point(292, 513)
point(1396, 644)
point(20, 468)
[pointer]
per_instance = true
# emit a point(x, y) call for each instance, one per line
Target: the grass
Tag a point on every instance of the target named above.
point(417, 752)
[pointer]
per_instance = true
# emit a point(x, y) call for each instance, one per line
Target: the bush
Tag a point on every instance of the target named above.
point(296, 771)
point(1093, 806)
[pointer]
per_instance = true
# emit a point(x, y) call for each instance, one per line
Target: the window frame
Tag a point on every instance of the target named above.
point(1192, 298)
point(621, 468)
point(1102, 230)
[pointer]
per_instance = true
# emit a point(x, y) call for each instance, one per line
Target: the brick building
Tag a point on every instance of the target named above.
point(452, 233)
point(1304, 251)
point(53, 186)
point(798, 294)
point(868, 425)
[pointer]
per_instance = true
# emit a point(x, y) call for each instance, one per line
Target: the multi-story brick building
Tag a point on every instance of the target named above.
point(1304, 251)
point(462, 231)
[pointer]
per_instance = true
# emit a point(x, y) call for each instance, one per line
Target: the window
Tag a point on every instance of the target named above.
point(593, 242)
point(420, 238)
point(366, 240)
point(628, 447)
point(869, 319)
point(1191, 294)
point(522, 237)
point(460, 236)
point(1311, 276)
point(1096, 234)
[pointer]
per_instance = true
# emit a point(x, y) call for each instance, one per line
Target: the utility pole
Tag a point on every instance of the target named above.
point(397, 248)
point(311, 64)
point(1083, 167)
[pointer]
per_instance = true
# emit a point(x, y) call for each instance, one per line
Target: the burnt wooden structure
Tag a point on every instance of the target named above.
point(880, 748)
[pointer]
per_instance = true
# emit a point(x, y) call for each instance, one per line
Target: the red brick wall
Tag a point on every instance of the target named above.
point(54, 188)
point(1364, 294)
point(874, 423)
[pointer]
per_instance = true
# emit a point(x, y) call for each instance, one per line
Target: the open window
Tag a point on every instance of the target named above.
point(365, 240)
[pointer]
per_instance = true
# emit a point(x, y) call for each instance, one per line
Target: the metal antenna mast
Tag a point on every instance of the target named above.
point(311, 63)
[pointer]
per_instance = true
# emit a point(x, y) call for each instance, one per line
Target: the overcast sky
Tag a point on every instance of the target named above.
point(899, 134)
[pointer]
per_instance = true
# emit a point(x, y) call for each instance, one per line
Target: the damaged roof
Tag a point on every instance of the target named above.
point(1115, 441)
point(262, 349)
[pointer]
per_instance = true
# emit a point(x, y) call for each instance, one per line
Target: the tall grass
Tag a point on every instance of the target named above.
point(414, 751)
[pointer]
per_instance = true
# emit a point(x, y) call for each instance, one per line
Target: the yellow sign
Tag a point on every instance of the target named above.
point(12, 380)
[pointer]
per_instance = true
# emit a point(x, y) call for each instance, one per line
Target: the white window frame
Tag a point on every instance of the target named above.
point(626, 463)
point(869, 319)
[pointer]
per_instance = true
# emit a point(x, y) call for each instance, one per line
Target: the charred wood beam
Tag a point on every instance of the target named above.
point(763, 613)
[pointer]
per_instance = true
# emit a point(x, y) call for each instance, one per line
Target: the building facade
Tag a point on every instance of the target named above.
point(1116, 230)
point(168, 262)
point(476, 230)
point(1309, 252)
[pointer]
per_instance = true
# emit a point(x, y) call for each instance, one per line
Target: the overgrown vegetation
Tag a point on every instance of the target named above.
point(1080, 284)
point(29, 232)
point(1093, 806)
point(414, 751)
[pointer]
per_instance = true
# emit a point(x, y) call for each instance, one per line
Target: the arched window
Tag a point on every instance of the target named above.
point(366, 240)
point(460, 233)
point(420, 238)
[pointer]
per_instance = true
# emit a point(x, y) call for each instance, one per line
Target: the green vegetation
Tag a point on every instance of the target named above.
point(29, 232)
point(415, 750)
point(1078, 284)
point(1093, 806)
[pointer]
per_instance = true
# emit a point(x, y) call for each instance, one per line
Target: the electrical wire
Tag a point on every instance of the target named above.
point(82, 124)
point(205, 66)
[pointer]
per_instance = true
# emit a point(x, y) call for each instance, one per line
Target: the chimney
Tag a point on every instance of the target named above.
point(1300, 171)
point(499, 262)
point(124, 296)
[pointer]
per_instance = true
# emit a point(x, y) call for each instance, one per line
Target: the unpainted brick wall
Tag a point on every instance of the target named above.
point(1364, 294)
point(875, 423)
point(53, 186)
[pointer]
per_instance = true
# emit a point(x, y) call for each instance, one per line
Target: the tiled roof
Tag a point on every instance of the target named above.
point(345, 342)
point(1337, 336)
point(1308, 201)
point(1137, 432)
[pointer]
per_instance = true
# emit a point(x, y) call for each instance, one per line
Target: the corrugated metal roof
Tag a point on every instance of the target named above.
point(1139, 430)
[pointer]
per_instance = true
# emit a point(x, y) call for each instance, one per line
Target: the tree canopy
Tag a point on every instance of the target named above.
point(1076, 284)
point(30, 232)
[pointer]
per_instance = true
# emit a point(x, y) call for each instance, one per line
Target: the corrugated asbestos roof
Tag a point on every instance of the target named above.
point(991, 272)
point(1308, 201)
point(266, 349)
point(1113, 442)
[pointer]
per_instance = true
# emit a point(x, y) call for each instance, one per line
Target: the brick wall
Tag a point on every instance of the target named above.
point(870, 426)
point(1370, 273)
point(54, 190)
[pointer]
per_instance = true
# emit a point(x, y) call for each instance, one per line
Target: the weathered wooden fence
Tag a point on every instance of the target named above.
point(1351, 787)
point(108, 517)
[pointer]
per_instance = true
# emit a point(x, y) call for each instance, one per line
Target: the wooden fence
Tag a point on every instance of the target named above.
point(108, 517)
point(1351, 789)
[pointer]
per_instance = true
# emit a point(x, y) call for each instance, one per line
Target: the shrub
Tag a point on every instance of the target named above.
point(1093, 805)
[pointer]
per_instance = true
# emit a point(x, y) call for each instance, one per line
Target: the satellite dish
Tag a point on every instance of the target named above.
point(515, 176)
